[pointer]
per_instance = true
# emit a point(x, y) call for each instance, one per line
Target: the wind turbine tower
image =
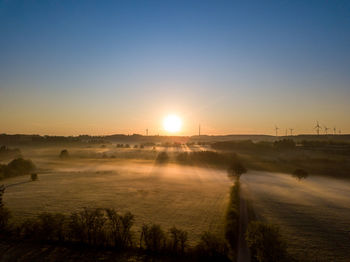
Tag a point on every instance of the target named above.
point(317, 127)
point(147, 132)
point(199, 130)
point(326, 130)
point(276, 129)
point(335, 131)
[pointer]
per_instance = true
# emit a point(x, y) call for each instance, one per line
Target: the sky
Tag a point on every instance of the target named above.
point(234, 67)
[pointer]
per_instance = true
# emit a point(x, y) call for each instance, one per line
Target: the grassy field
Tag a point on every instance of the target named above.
point(313, 214)
point(192, 198)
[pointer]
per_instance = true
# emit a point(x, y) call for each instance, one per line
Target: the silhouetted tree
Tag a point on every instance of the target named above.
point(300, 174)
point(212, 248)
point(153, 238)
point(51, 226)
point(4, 212)
point(120, 228)
point(236, 168)
point(265, 242)
point(87, 226)
point(178, 240)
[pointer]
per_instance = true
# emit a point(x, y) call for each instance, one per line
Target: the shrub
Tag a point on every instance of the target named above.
point(34, 176)
point(284, 144)
point(162, 157)
point(51, 226)
point(64, 154)
point(17, 167)
point(29, 229)
point(300, 174)
point(265, 242)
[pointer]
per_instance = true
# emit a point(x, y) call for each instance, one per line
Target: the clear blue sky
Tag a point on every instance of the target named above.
point(101, 67)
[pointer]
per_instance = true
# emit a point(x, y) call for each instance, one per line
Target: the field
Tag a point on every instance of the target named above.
point(191, 198)
point(313, 214)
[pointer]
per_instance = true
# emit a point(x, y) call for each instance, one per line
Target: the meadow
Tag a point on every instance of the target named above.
point(191, 198)
point(313, 214)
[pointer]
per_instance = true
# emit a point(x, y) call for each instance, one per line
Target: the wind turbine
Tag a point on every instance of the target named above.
point(326, 129)
point(276, 129)
point(291, 131)
point(317, 127)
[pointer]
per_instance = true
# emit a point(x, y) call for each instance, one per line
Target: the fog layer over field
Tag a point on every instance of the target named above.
point(191, 198)
point(313, 214)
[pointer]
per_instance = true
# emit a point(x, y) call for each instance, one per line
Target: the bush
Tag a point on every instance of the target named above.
point(284, 144)
point(162, 157)
point(52, 226)
point(34, 176)
point(17, 167)
point(265, 242)
point(64, 154)
point(300, 174)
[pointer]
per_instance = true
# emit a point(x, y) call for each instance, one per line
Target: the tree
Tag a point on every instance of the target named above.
point(212, 248)
point(4, 212)
point(153, 238)
point(178, 239)
point(265, 242)
point(300, 174)
point(236, 169)
point(120, 228)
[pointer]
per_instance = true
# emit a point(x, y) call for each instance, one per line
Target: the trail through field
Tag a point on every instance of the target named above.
point(313, 214)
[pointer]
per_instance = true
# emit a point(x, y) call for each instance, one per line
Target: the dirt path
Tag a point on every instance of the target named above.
point(243, 250)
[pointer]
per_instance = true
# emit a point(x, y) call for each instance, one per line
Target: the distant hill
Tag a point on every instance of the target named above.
point(20, 139)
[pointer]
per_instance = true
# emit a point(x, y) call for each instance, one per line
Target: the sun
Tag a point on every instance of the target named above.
point(172, 123)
